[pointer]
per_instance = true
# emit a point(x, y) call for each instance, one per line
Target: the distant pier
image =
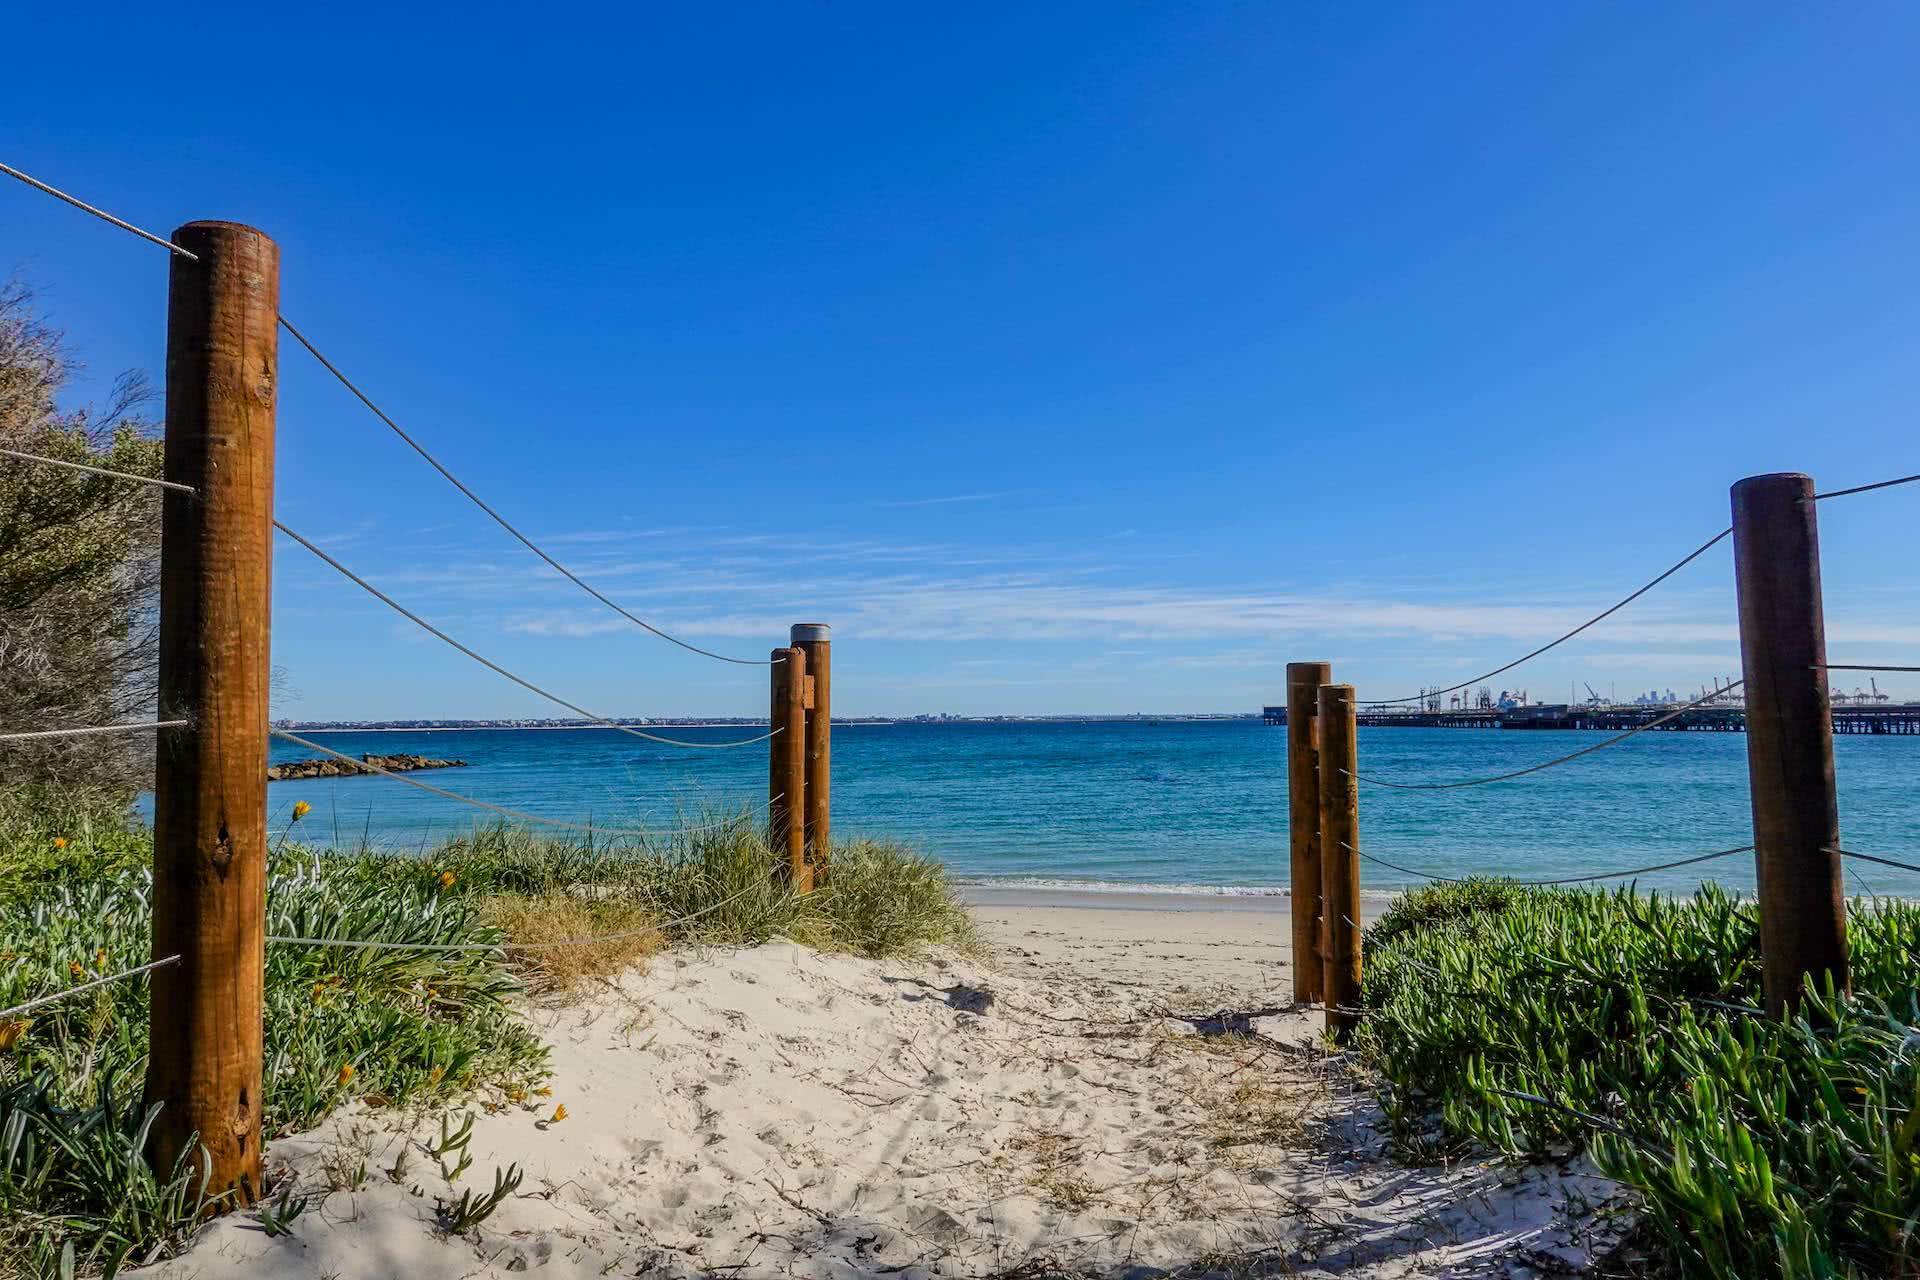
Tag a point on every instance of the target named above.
point(1895, 718)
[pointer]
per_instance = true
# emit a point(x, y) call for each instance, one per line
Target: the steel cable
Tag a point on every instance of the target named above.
point(1868, 857)
point(517, 813)
point(1541, 884)
point(417, 447)
point(92, 729)
point(86, 986)
point(102, 214)
point(1548, 764)
point(99, 471)
point(501, 520)
point(353, 944)
point(1686, 560)
point(1865, 488)
point(491, 665)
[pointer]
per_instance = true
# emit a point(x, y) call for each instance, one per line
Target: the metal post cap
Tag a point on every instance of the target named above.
point(812, 633)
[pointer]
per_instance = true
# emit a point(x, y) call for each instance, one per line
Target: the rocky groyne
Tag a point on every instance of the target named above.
point(329, 767)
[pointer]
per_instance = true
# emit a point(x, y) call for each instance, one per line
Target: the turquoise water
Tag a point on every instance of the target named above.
point(1189, 805)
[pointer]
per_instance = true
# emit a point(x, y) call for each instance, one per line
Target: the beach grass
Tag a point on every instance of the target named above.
point(1548, 1022)
point(389, 1028)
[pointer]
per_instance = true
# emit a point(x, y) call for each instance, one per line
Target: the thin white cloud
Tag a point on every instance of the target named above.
point(957, 497)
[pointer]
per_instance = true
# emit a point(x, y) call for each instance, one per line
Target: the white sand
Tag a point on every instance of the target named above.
point(1061, 1108)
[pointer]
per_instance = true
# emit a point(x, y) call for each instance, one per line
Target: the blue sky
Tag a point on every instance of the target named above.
point(1066, 358)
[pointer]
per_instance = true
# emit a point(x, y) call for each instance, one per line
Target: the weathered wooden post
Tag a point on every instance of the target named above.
point(1796, 817)
point(1339, 859)
point(1303, 821)
point(210, 777)
point(815, 639)
point(787, 766)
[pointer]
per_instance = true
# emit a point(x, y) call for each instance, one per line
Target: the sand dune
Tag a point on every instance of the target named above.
point(1117, 1091)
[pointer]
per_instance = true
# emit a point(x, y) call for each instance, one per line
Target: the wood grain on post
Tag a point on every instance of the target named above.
point(210, 777)
point(1339, 861)
point(1303, 821)
point(787, 766)
point(1796, 817)
point(815, 639)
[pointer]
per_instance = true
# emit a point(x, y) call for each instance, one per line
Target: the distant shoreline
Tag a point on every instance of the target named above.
point(877, 723)
point(525, 728)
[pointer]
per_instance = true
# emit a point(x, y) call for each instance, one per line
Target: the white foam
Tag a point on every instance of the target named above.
point(1125, 886)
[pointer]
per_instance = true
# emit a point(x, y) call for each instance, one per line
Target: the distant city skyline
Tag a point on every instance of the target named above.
point(1079, 360)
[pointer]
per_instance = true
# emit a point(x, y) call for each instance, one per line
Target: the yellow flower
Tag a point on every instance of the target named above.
point(77, 969)
point(516, 1095)
point(100, 958)
point(446, 879)
point(543, 1093)
point(301, 809)
point(10, 1033)
point(346, 1073)
point(436, 1075)
point(559, 1113)
point(319, 991)
point(59, 842)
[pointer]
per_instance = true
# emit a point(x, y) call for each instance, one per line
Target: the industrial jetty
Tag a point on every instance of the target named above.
point(1729, 716)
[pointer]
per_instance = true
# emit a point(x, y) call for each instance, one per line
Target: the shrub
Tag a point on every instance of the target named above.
point(78, 580)
point(1759, 1148)
point(409, 1025)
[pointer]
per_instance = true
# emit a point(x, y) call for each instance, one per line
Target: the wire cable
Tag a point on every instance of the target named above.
point(1839, 666)
point(1865, 488)
point(102, 214)
point(99, 728)
point(1541, 884)
point(1686, 560)
point(415, 444)
point(353, 944)
point(1548, 764)
point(1868, 857)
point(516, 813)
point(86, 986)
point(499, 519)
point(491, 665)
point(99, 471)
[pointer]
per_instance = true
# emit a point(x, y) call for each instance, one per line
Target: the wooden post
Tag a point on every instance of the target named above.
point(210, 777)
point(787, 766)
point(1339, 863)
point(815, 639)
point(1796, 817)
point(1303, 821)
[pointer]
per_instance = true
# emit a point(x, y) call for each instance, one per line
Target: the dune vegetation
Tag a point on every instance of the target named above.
point(1548, 1022)
point(387, 1028)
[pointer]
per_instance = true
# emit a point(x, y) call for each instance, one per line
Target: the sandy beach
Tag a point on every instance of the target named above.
point(1117, 1088)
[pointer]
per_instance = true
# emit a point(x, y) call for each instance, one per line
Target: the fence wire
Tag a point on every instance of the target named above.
point(1602, 616)
point(102, 214)
point(1548, 764)
point(1866, 488)
point(31, 1005)
point(1541, 884)
point(491, 665)
point(1868, 857)
point(92, 729)
point(352, 944)
point(155, 481)
point(501, 520)
point(518, 814)
point(417, 447)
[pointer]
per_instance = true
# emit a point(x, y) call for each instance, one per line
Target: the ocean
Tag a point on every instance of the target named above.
point(1198, 807)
